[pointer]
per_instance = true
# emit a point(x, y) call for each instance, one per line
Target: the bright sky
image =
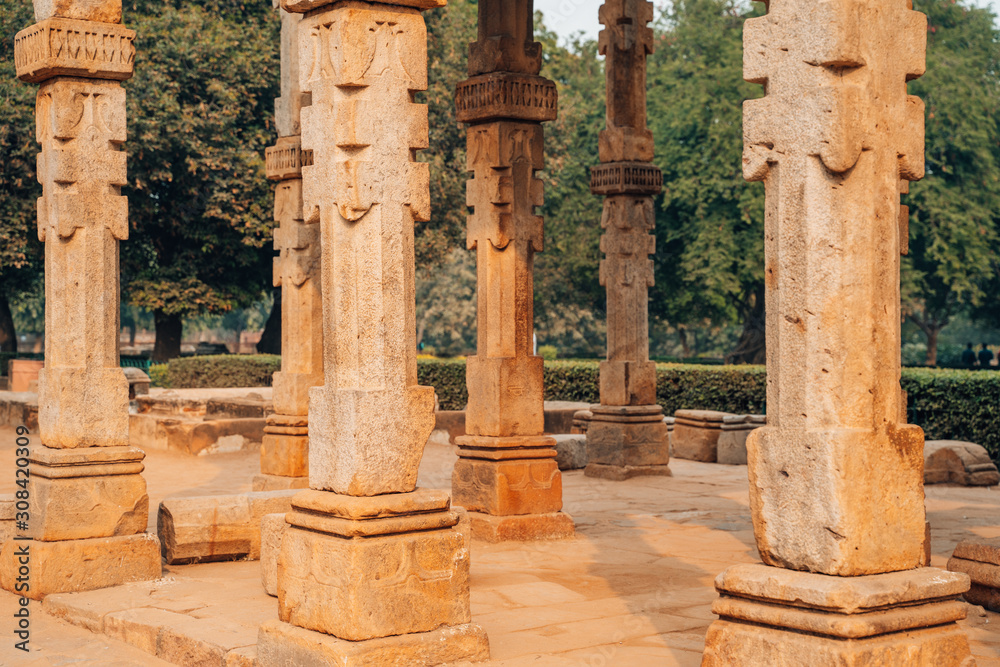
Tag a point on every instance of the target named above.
point(566, 17)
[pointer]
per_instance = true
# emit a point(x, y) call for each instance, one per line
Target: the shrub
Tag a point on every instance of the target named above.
point(548, 352)
point(223, 370)
point(159, 375)
point(447, 376)
point(955, 404)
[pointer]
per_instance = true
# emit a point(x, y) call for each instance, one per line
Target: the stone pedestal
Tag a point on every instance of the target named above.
point(87, 499)
point(506, 474)
point(627, 441)
point(626, 436)
point(957, 462)
point(371, 570)
point(781, 618)
point(731, 448)
point(696, 434)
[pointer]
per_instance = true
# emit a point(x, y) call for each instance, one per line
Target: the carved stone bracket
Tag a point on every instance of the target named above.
point(620, 178)
point(286, 158)
point(506, 95)
point(69, 47)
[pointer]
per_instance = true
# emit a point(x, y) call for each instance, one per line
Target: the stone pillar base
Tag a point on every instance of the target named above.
point(283, 453)
point(784, 618)
point(280, 643)
point(626, 441)
point(278, 483)
point(521, 527)
point(71, 566)
point(621, 473)
point(980, 559)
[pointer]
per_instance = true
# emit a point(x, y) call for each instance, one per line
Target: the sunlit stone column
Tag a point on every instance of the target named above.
point(284, 454)
point(627, 436)
point(88, 503)
point(372, 569)
point(506, 474)
point(836, 476)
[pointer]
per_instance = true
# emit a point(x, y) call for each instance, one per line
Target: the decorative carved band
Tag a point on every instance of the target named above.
point(68, 47)
point(625, 178)
point(506, 95)
point(285, 159)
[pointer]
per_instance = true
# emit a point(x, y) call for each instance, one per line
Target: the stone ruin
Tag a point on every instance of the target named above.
point(365, 565)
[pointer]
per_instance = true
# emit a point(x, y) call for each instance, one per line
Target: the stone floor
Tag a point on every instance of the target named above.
point(633, 588)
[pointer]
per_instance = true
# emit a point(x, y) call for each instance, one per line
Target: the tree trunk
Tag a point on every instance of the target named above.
point(270, 338)
point(752, 345)
point(682, 334)
point(8, 336)
point(131, 335)
point(932, 345)
point(169, 329)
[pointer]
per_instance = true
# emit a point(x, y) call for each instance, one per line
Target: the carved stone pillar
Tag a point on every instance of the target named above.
point(372, 569)
point(626, 436)
point(836, 479)
point(88, 504)
point(506, 474)
point(284, 454)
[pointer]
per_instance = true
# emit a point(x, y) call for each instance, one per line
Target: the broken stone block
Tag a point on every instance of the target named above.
point(272, 529)
point(138, 382)
point(732, 446)
point(70, 566)
point(581, 419)
point(773, 616)
point(213, 528)
point(957, 462)
point(980, 559)
point(572, 451)
point(696, 434)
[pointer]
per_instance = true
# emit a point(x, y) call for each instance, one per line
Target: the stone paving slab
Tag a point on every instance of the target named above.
point(633, 588)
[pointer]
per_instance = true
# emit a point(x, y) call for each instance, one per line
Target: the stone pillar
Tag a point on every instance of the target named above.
point(284, 454)
point(506, 474)
point(372, 569)
point(836, 487)
point(627, 436)
point(88, 503)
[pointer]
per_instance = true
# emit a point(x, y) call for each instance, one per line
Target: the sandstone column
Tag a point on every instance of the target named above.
point(284, 454)
point(836, 483)
point(372, 569)
point(506, 474)
point(627, 436)
point(88, 503)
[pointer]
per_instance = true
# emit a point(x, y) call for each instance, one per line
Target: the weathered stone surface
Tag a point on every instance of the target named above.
point(66, 47)
point(957, 462)
point(85, 507)
point(631, 444)
point(81, 565)
point(284, 644)
point(618, 473)
point(731, 448)
point(104, 11)
point(370, 420)
point(278, 483)
point(138, 382)
point(521, 528)
point(729, 643)
point(987, 597)
point(520, 486)
point(359, 589)
point(835, 476)
point(696, 434)
point(272, 529)
point(211, 528)
point(284, 455)
point(845, 595)
point(22, 372)
point(980, 549)
point(572, 451)
point(419, 501)
point(984, 575)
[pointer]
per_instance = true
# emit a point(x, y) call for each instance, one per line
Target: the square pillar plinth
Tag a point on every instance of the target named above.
point(625, 441)
point(85, 527)
point(774, 617)
point(372, 580)
point(284, 454)
point(511, 487)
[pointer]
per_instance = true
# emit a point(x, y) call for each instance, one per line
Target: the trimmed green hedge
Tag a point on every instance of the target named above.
point(223, 370)
point(948, 404)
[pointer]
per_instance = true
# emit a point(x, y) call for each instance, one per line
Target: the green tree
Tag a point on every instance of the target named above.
point(20, 251)
point(710, 226)
point(200, 115)
point(954, 209)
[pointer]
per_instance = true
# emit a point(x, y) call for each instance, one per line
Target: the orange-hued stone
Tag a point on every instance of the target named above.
point(521, 486)
point(284, 455)
point(521, 527)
